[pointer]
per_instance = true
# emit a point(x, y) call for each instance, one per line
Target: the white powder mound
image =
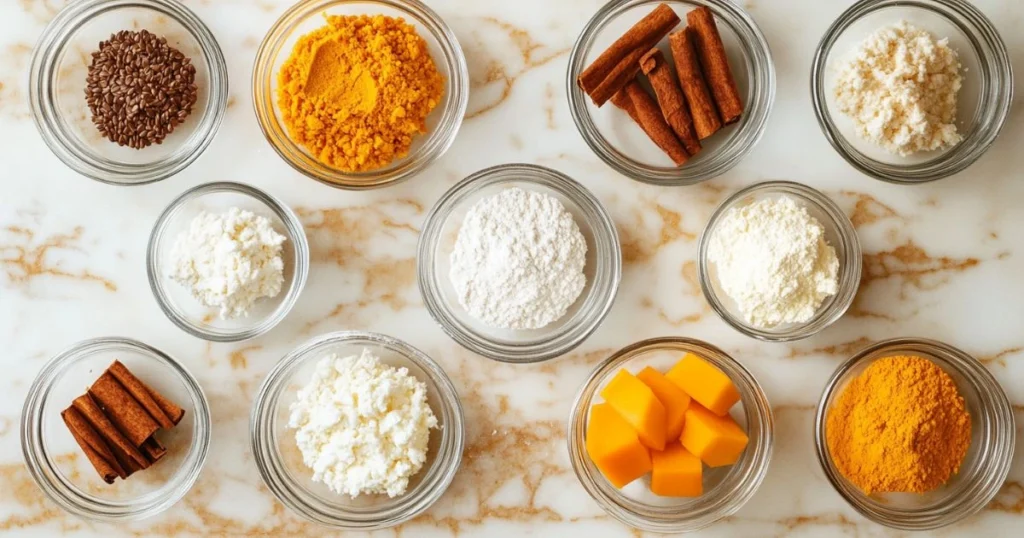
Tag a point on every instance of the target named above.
point(773, 260)
point(518, 261)
point(363, 427)
point(900, 89)
point(229, 260)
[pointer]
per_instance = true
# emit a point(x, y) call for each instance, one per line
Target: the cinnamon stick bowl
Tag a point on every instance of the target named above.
point(620, 143)
point(61, 469)
point(280, 462)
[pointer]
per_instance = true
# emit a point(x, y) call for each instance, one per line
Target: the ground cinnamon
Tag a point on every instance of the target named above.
point(715, 64)
point(653, 123)
point(698, 97)
point(670, 99)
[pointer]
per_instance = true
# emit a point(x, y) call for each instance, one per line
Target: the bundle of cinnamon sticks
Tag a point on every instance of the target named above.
point(115, 421)
point(689, 106)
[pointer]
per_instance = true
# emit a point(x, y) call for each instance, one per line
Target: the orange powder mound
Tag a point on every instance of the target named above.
point(355, 92)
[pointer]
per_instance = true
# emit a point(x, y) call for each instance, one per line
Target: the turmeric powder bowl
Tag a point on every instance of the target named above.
point(350, 154)
point(725, 489)
point(983, 469)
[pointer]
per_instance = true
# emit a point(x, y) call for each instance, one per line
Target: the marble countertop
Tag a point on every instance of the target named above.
point(942, 260)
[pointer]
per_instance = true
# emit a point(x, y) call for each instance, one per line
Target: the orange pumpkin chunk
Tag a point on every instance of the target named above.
point(705, 383)
point(676, 472)
point(672, 397)
point(716, 440)
point(638, 405)
point(614, 447)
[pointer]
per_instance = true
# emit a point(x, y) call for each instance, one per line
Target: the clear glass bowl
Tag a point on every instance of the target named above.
point(726, 489)
point(622, 145)
point(57, 463)
point(840, 234)
point(60, 65)
point(442, 124)
point(984, 100)
point(178, 303)
point(988, 459)
point(280, 462)
point(603, 268)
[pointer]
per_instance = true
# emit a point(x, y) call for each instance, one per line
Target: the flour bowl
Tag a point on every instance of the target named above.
point(603, 266)
point(280, 462)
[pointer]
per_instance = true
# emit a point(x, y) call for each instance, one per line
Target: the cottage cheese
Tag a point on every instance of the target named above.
point(229, 260)
point(362, 426)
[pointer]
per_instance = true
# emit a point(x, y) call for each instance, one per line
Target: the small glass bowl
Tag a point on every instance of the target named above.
point(988, 459)
point(57, 463)
point(603, 268)
point(280, 462)
point(175, 300)
point(622, 145)
point(60, 65)
point(984, 100)
point(442, 124)
point(726, 489)
point(840, 234)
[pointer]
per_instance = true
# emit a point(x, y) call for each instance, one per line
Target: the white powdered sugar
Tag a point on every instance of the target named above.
point(773, 260)
point(518, 261)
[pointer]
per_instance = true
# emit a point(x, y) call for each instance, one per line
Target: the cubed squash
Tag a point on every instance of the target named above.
point(638, 405)
point(671, 396)
point(705, 383)
point(676, 472)
point(614, 447)
point(716, 440)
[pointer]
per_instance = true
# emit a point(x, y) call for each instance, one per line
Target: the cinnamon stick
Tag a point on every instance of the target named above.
point(123, 410)
point(698, 97)
point(670, 99)
point(617, 65)
point(715, 63)
point(166, 413)
point(153, 449)
point(115, 439)
point(90, 441)
point(653, 123)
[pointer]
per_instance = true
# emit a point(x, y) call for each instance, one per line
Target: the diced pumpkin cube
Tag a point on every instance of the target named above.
point(614, 447)
point(638, 405)
point(671, 396)
point(676, 472)
point(716, 440)
point(705, 383)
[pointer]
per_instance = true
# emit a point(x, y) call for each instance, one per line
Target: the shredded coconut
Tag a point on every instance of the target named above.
point(900, 89)
point(518, 261)
point(229, 260)
point(773, 260)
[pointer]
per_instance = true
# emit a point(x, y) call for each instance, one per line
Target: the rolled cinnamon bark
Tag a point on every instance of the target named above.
point(670, 99)
point(96, 450)
point(153, 449)
point(123, 410)
point(653, 123)
point(715, 63)
point(114, 438)
point(161, 409)
point(698, 97)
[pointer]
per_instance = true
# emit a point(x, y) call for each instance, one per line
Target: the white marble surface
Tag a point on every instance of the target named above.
point(942, 260)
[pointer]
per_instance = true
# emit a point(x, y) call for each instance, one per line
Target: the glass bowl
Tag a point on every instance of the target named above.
point(623, 145)
point(57, 89)
point(985, 467)
point(442, 124)
point(983, 103)
point(603, 268)
point(840, 234)
point(177, 302)
point(280, 462)
point(57, 463)
point(726, 489)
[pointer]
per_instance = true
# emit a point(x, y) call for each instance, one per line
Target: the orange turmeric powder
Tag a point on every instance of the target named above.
point(899, 426)
point(356, 91)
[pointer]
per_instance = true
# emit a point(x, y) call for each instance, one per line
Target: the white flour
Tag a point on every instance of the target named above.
point(774, 262)
point(518, 261)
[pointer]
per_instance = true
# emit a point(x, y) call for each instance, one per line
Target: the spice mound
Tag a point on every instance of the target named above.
point(229, 260)
point(518, 261)
point(139, 88)
point(900, 89)
point(362, 426)
point(773, 260)
point(356, 92)
point(899, 426)
point(115, 423)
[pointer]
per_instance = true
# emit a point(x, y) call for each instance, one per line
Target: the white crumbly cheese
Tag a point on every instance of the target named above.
point(229, 260)
point(773, 260)
point(900, 89)
point(362, 426)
